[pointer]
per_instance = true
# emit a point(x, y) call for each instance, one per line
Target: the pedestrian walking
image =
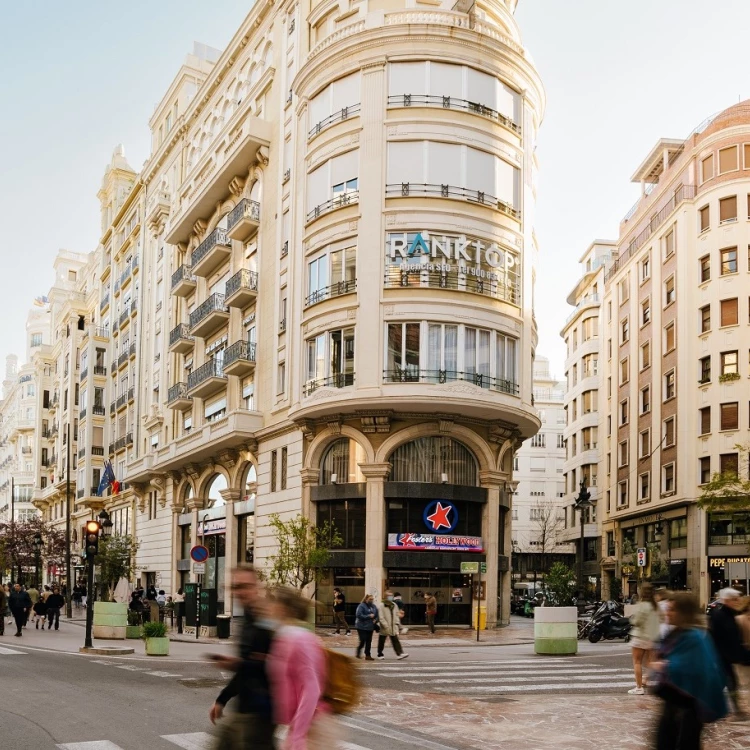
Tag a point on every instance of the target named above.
point(252, 725)
point(3, 608)
point(179, 607)
point(40, 612)
point(661, 596)
point(399, 602)
point(388, 621)
point(366, 623)
point(298, 670)
point(689, 678)
point(77, 596)
point(339, 611)
point(430, 610)
point(55, 602)
point(644, 635)
point(727, 637)
point(20, 606)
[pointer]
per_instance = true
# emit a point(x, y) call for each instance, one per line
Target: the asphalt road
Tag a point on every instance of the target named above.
point(50, 698)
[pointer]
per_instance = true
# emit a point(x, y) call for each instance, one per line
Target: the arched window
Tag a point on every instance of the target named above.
point(342, 460)
point(251, 483)
point(218, 483)
point(434, 459)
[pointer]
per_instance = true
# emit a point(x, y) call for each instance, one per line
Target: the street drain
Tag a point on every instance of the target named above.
point(202, 682)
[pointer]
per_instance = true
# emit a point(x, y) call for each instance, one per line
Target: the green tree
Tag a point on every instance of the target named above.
point(561, 581)
point(17, 551)
point(116, 560)
point(728, 491)
point(303, 550)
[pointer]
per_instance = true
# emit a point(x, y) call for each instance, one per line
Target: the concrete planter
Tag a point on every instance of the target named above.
point(157, 646)
point(556, 630)
point(110, 620)
point(133, 631)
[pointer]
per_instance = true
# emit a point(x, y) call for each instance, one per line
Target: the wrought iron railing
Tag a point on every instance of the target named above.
point(240, 350)
point(343, 114)
point(407, 189)
point(213, 304)
point(99, 411)
point(177, 391)
point(338, 380)
point(417, 375)
point(214, 368)
point(243, 279)
point(333, 290)
point(245, 209)
point(217, 237)
point(345, 199)
point(180, 332)
point(183, 273)
point(97, 450)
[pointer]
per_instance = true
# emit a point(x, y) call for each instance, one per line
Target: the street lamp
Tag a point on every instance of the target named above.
point(583, 503)
point(37, 543)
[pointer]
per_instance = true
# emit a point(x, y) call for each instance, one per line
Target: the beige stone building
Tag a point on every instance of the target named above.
point(674, 358)
point(337, 299)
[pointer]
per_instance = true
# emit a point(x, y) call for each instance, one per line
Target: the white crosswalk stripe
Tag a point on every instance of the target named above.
point(11, 652)
point(194, 741)
point(519, 676)
point(189, 741)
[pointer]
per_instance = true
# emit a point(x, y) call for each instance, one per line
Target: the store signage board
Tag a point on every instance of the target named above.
point(435, 542)
point(720, 562)
point(217, 526)
point(470, 568)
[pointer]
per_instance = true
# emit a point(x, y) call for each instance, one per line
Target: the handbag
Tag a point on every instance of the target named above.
point(376, 627)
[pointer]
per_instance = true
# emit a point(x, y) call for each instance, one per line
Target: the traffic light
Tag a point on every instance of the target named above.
point(92, 539)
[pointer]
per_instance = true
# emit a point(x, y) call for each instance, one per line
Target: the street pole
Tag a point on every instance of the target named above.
point(68, 581)
point(13, 524)
point(479, 598)
point(580, 561)
point(89, 602)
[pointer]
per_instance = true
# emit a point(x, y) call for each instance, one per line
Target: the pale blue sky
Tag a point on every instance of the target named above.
point(82, 76)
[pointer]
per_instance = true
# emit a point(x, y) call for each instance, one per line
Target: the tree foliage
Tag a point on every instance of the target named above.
point(547, 525)
point(17, 552)
point(116, 560)
point(561, 581)
point(728, 491)
point(303, 550)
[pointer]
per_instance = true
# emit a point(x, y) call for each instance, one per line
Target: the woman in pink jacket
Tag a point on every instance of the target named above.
point(297, 670)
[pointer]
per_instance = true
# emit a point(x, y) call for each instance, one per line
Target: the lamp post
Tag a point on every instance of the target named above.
point(658, 535)
point(94, 530)
point(583, 503)
point(37, 543)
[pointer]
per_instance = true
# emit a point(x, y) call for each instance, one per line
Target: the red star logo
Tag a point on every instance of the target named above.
point(440, 517)
point(407, 540)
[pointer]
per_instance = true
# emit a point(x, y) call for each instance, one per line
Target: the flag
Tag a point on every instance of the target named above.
point(107, 480)
point(41, 301)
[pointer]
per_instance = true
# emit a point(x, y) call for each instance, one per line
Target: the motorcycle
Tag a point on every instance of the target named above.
point(608, 624)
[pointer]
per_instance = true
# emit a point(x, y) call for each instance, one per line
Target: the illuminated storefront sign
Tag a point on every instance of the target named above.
point(435, 542)
point(431, 259)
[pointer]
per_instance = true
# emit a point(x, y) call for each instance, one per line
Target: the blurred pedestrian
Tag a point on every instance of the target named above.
point(252, 725)
point(297, 668)
point(388, 621)
point(644, 635)
point(365, 624)
point(20, 606)
point(661, 597)
point(727, 637)
point(339, 611)
point(430, 610)
point(743, 620)
point(55, 602)
point(33, 593)
point(399, 602)
point(3, 608)
point(689, 678)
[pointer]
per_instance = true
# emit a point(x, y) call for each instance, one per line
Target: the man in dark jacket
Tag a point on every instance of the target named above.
point(55, 602)
point(728, 639)
point(20, 606)
point(253, 725)
point(3, 606)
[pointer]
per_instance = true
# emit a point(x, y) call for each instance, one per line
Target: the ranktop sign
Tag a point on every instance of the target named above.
point(435, 542)
point(457, 261)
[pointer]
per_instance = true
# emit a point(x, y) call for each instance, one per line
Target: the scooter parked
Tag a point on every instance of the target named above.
point(608, 624)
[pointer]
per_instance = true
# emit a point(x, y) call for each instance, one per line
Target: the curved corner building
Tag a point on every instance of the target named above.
point(341, 205)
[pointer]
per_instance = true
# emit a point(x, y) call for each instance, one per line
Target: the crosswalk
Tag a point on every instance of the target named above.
point(486, 678)
point(11, 652)
point(189, 741)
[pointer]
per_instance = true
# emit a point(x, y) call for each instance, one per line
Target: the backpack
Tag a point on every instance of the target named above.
point(342, 686)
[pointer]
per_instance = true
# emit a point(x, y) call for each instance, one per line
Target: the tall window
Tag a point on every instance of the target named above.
point(705, 262)
point(728, 209)
point(729, 363)
point(669, 291)
point(730, 416)
point(669, 385)
point(728, 260)
point(705, 369)
point(704, 218)
point(331, 274)
point(403, 349)
point(730, 312)
point(705, 312)
point(330, 359)
point(668, 478)
point(669, 433)
point(705, 420)
point(705, 469)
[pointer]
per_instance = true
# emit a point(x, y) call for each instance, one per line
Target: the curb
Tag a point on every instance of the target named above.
point(106, 650)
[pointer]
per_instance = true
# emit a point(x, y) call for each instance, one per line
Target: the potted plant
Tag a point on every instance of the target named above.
point(133, 628)
point(155, 636)
point(115, 561)
point(556, 621)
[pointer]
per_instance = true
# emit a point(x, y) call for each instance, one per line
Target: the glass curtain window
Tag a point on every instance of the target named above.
point(506, 359)
point(427, 459)
point(316, 358)
point(342, 356)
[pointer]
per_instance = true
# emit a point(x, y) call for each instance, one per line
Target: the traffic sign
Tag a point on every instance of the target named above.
point(641, 557)
point(483, 568)
point(199, 568)
point(470, 567)
point(199, 553)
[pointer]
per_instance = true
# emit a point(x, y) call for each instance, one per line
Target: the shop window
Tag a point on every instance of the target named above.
point(434, 459)
point(348, 517)
point(729, 528)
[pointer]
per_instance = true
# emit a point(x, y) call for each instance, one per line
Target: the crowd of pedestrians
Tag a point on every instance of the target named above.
point(689, 660)
point(19, 604)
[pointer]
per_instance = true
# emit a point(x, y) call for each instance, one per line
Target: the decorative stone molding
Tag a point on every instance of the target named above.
point(262, 156)
point(309, 476)
point(236, 186)
point(229, 458)
point(251, 446)
point(159, 481)
point(335, 426)
point(491, 479)
point(445, 425)
point(195, 503)
point(375, 471)
point(199, 228)
point(175, 476)
point(193, 471)
point(376, 423)
point(230, 496)
point(307, 428)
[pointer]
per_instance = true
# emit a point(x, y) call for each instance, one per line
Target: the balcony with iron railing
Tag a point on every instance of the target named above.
point(124, 317)
point(243, 220)
point(84, 373)
point(129, 439)
point(131, 393)
point(339, 201)
point(97, 450)
point(180, 340)
point(177, 396)
point(120, 444)
point(337, 380)
point(207, 379)
point(183, 281)
point(100, 370)
point(239, 358)
point(122, 401)
point(285, 248)
point(82, 414)
point(340, 116)
point(209, 316)
point(98, 410)
point(241, 289)
point(104, 303)
point(590, 300)
point(123, 358)
point(133, 307)
point(416, 375)
point(211, 253)
point(346, 286)
point(451, 192)
point(81, 452)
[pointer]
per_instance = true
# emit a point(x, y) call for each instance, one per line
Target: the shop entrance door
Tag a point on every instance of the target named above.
point(451, 589)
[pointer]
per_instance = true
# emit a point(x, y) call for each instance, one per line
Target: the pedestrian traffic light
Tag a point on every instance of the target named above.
point(92, 539)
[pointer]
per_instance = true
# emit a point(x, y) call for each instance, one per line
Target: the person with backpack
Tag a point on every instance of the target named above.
point(366, 624)
point(298, 671)
point(390, 625)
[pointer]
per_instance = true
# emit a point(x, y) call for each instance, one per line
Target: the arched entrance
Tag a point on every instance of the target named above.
point(212, 526)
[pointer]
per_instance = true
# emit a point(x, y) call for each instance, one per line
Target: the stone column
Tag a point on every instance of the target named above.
point(492, 482)
point(375, 533)
point(230, 546)
point(310, 478)
point(176, 549)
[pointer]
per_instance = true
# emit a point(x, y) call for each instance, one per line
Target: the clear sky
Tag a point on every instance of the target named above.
point(80, 77)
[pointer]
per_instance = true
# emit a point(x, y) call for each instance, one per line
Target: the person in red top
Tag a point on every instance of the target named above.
point(297, 672)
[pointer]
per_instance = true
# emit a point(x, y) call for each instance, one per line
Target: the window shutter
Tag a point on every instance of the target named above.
point(728, 208)
point(728, 159)
point(729, 312)
point(730, 416)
